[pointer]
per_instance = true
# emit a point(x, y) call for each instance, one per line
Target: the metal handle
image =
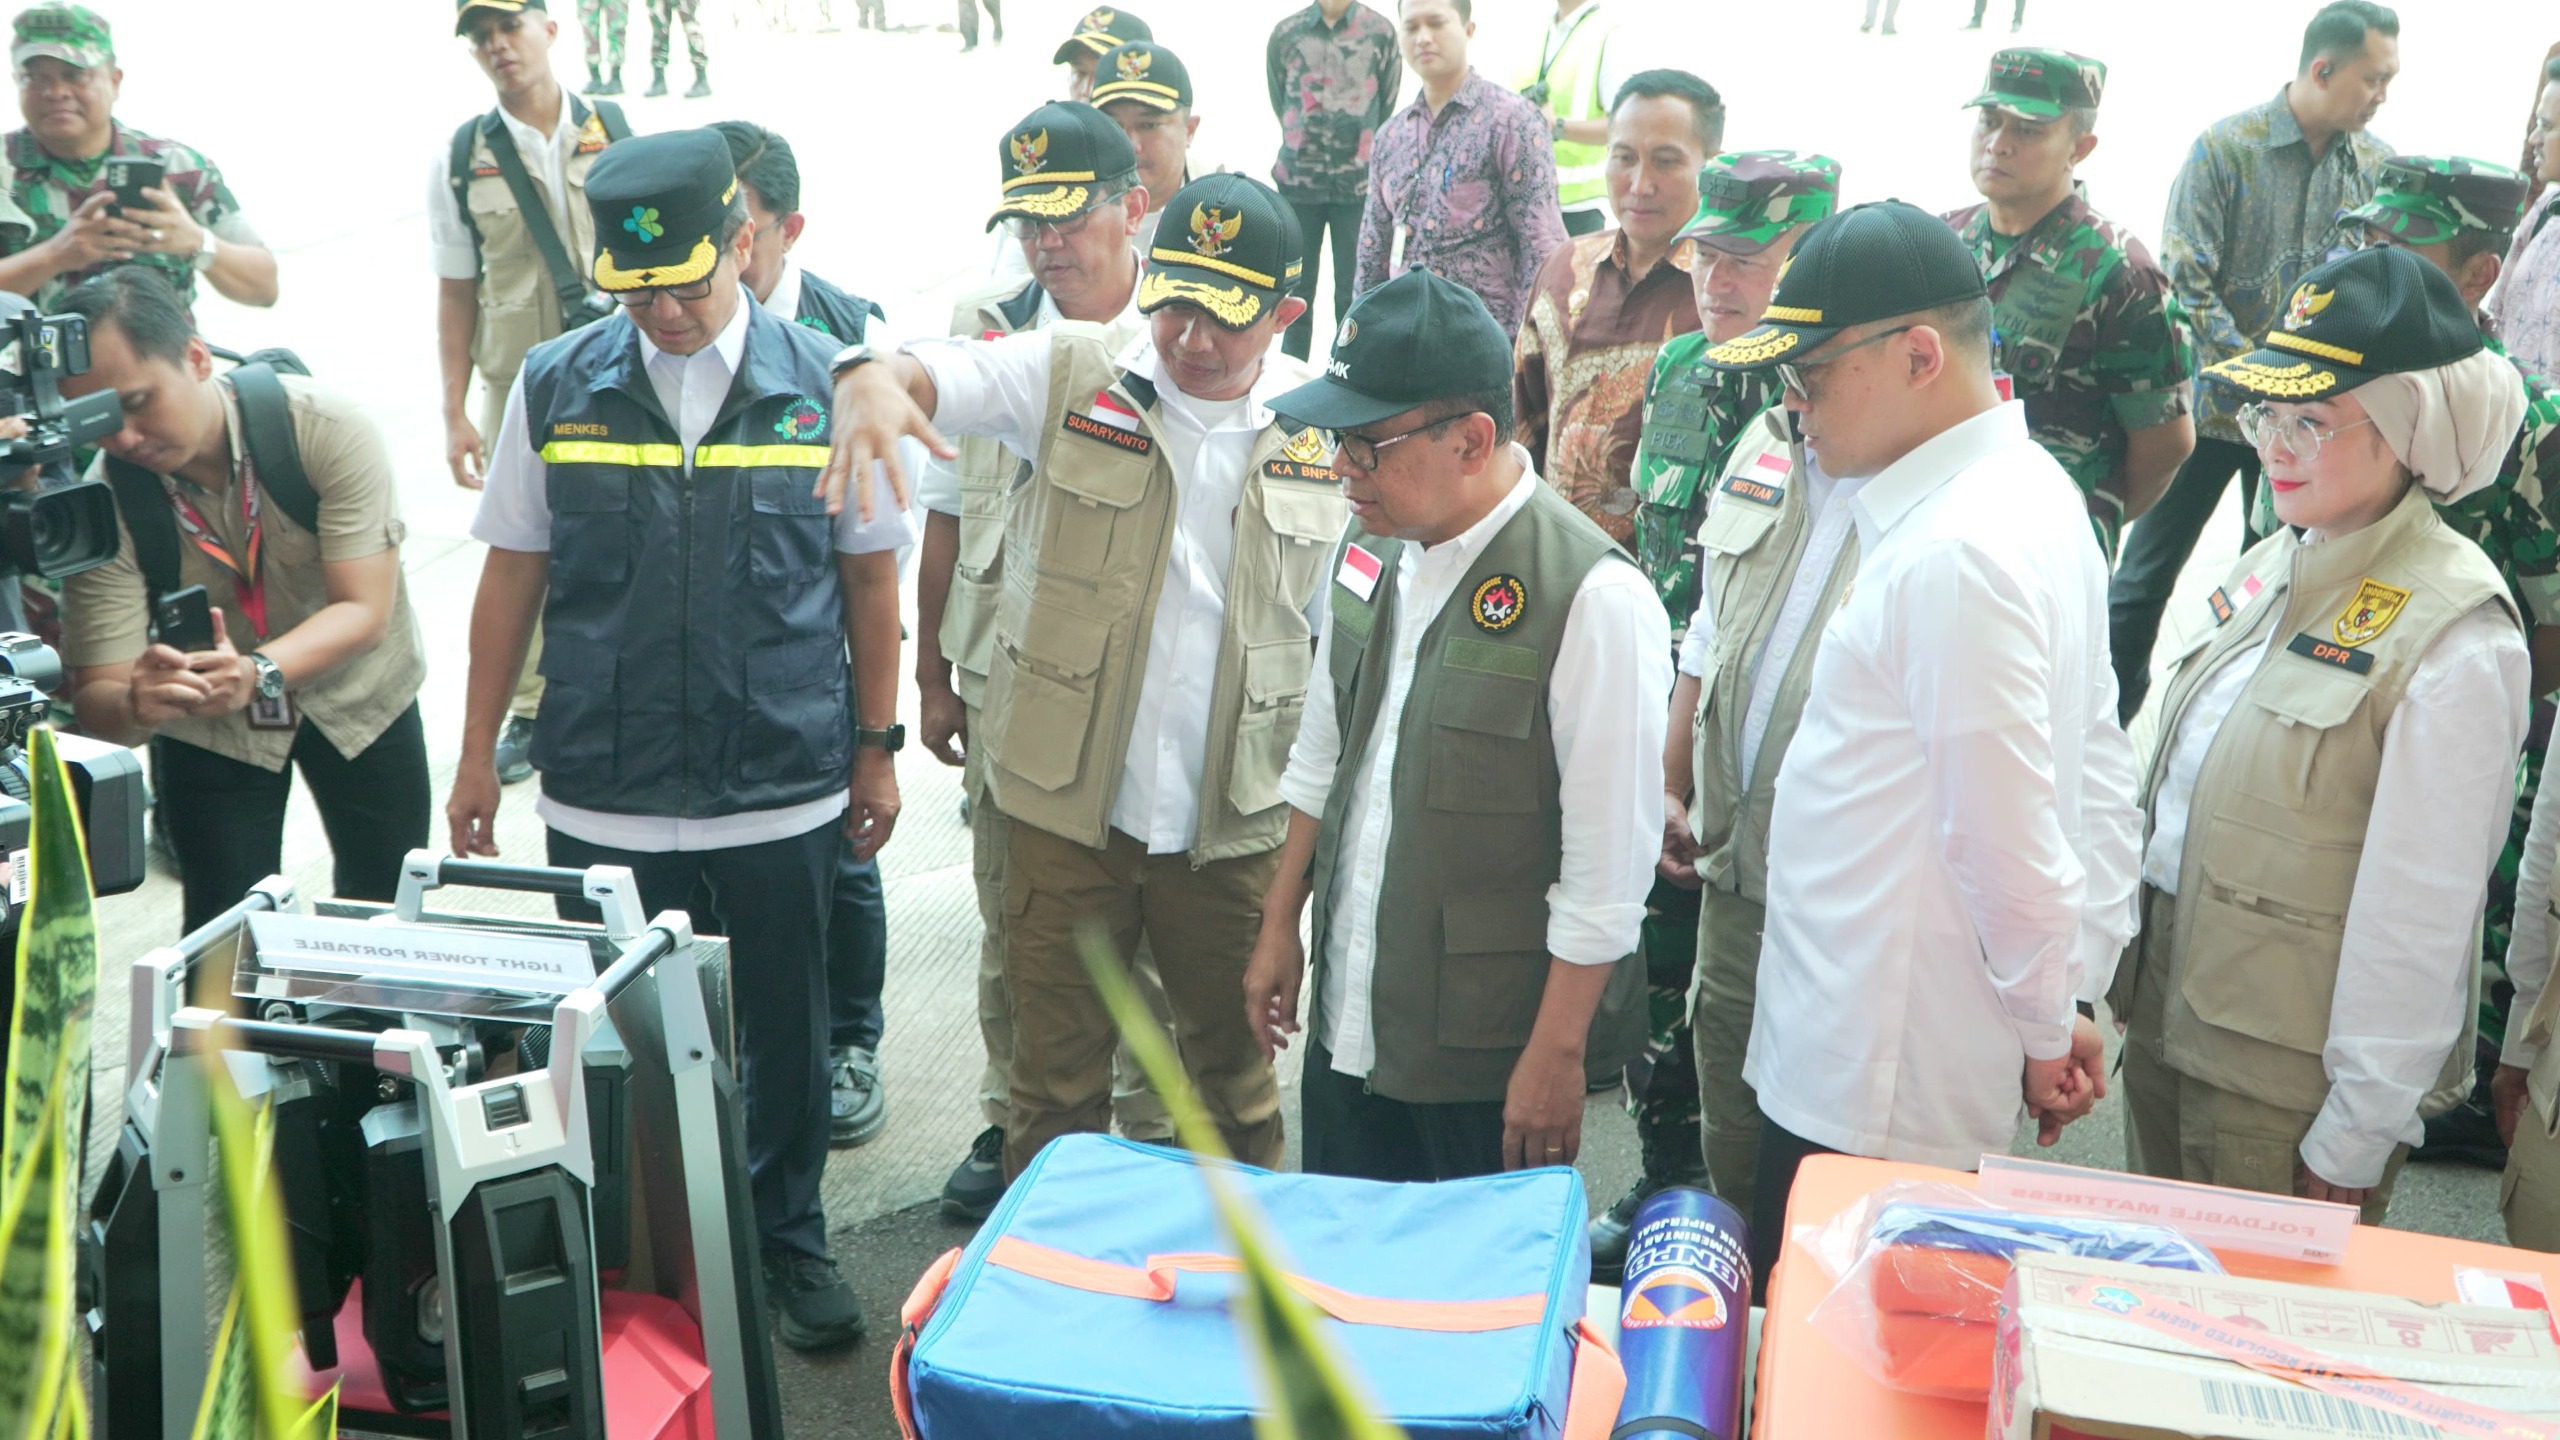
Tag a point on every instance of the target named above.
point(665, 933)
point(610, 888)
point(298, 1042)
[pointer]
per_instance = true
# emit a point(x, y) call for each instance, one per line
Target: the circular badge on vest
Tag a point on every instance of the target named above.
point(1500, 602)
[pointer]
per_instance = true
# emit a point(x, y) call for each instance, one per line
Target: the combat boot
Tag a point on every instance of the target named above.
point(657, 83)
point(701, 85)
point(612, 85)
point(1674, 1154)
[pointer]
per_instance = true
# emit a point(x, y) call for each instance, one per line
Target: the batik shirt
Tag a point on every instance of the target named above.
point(1468, 194)
point(2249, 214)
point(1332, 86)
point(1692, 414)
point(1584, 357)
point(2090, 337)
point(45, 190)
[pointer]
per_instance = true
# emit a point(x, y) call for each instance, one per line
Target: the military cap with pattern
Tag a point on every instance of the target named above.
point(1061, 160)
point(1869, 262)
point(2420, 200)
point(2376, 311)
point(1226, 243)
point(72, 34)
point(2039, 84)
point(1099, 30)
point(1145, 72)
point(1748, 198)
point(658, 202)
point(463, 8)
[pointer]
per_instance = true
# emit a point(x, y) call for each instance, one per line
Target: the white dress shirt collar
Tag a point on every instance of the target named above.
point(785, 300)
point(529, 138)
point(1139, 358)
point(729, 346)
point(1906, 482)
point(1464, 546)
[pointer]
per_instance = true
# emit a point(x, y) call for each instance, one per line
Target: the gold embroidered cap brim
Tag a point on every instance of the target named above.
point(696, 264)
point(1053, 204)
point(2282, 377)
point(1145, 92)
point(1762, 345)
point(1233, 306)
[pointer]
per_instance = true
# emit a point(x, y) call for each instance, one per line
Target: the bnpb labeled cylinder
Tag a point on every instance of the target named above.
point(1684, 1319)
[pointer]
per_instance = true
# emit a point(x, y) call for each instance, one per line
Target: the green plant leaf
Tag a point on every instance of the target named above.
point(57, 964)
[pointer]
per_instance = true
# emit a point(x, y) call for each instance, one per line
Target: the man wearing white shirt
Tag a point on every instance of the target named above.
point(1163, 552)
point(1472, 795)
point(497, 295)
point(1952, 847)
point(652, 495)
point(1079, 260)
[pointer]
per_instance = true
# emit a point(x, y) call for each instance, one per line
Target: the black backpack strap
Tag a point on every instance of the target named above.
point(615, 127)
point(457, 173)
point(266, 428)
point(147, 518)
point(566, 286)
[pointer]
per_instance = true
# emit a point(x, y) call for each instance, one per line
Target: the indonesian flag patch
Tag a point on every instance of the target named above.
point(1110, 410)
point(1359, 572)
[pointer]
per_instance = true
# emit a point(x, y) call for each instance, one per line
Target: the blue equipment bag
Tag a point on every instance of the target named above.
point(1093, 1305)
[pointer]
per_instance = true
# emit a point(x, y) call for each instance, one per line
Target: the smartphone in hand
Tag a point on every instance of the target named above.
point(183, 620)
point(128, 176)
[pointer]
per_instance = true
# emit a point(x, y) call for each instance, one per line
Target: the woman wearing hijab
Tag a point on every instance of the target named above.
point(2295, 1003)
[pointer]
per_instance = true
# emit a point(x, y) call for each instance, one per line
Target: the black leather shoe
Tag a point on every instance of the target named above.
point(813, 1307)
point(2467, 1134)
point(1609, 1231)
point(974, 1188)
point(858, 1109)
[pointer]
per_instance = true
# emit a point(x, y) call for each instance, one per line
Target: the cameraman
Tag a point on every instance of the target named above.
point(317, 661)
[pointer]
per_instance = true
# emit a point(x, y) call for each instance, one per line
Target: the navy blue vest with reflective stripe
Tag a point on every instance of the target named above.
point(693, 637)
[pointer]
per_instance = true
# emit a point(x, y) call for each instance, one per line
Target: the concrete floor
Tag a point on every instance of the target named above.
point(893, 132)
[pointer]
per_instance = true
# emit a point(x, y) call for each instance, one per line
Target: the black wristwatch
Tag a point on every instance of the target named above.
point(893, 739)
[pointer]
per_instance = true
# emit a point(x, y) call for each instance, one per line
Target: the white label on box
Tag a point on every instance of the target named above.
point(2277, 1225)
point(434, 954)
point(18, 878)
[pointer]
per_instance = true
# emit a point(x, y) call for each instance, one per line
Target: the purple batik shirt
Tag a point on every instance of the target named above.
point(1332, 86)
point(1468, 194)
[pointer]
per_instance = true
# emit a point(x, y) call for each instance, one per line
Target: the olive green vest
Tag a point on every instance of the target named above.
point(1754, 539)
point(986, 469)
point(517, 307)
point(1088, 532)
point(1477, 835)
point(2276, 826)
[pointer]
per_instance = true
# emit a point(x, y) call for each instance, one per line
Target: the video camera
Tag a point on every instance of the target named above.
point(64, 525)
point(105, 779)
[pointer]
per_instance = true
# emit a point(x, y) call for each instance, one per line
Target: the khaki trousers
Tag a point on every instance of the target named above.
point(1134, 1104)
point(2180, 1128)
point(1202, 924)
point(2529, 1193)
point(493, 412)
point(1720, 1018)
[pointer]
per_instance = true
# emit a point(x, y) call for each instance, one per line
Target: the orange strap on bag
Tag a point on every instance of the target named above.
point(1599, 1386)
point(911, 1317)
point(1155, 1281)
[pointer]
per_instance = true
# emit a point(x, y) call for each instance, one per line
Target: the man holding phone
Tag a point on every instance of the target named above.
point(62, 220)
point(311, 661)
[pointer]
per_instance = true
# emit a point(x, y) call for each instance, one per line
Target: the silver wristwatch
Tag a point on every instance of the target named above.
point(270, 677)
point(207, 247)
point(852, 357)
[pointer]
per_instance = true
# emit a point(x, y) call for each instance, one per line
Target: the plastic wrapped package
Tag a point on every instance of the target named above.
point(1919, 1268)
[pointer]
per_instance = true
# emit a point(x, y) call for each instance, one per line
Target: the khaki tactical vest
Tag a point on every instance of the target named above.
point(2276, 826)
point(1478, 831)
point(986, 469)
point(517, 307)
point(1754, 539)
point(2542, 1082)
point(1088, 531)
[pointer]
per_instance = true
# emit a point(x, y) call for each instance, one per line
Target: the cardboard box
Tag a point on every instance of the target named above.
point(2090, 1349)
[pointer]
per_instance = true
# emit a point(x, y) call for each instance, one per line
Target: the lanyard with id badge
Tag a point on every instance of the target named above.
point(248, 578)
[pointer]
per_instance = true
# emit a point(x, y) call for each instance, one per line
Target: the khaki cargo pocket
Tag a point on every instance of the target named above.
point(2262, 962)
point(2254, 1160)
point(1275, 696)
point(1494, 973)
point(2315, 699)
point(1308, 519)
point(969, 621)
point(1478, 748)
point(1085, 504)
point(1053, 668)
point(1736, 527)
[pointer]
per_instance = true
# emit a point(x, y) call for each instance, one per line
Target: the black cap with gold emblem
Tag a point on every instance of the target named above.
point(1226, 243)
point(1416, 339)
point(1099, 30)
point(658, 201)
point(2378, 311)
point(1145, 72)
point(1061, 160)
point(462, 10)
point(1869, 262)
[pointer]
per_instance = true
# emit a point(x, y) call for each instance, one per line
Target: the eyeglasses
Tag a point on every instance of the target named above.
point(641, 298)
point(1795, 377)
point(1362, 451)
point(1025, 227)
point(2295, 435)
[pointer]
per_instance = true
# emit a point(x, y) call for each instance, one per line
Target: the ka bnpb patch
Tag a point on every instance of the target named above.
point(1303, 458)
point(1499, 603)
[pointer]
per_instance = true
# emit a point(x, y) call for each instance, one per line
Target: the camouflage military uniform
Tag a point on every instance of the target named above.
point(604, 22)
point(44, 191)
point(1692, 412)
point(663, 15)
point(2091, 337)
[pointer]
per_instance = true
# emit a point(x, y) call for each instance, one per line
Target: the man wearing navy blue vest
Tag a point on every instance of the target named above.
point(650, 495)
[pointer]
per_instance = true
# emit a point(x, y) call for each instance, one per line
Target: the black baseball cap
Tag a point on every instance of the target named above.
point(1226, 243)
point(2379, 311)
point(1869, 262)
point(1416, 339)
point(1061, 160)
point(1099, 30)
point(658, 201)
point(1145, 72)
